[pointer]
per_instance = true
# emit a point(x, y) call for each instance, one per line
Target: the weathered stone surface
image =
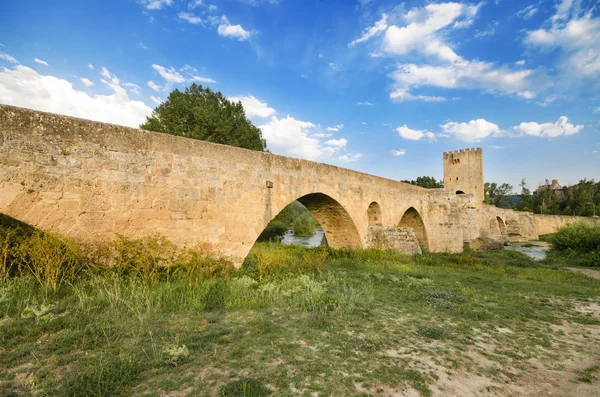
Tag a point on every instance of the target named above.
point(397, 238)
point(486, 244)
point(93, 180)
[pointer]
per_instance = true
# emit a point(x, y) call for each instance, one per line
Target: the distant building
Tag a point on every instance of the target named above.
point(554, 186)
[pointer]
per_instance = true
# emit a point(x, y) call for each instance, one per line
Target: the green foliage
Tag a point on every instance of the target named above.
point(198, 264)
point(304, 225)
point(428, 182)
point(244, 388)
point(581, 199)
point(526, 200)
point(274, 231)
point(201, 113)
point(496, 194)
point(578, 241)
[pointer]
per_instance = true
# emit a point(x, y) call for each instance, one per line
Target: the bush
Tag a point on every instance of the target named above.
point(51, 259)
point(304, 226)
point(579, 242)
point(199, 264)
point(274, 231)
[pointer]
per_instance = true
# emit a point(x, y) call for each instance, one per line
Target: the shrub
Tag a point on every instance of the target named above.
point(149, 257)
point(304, 225)
point(8, 244)
point(579, 237)
point(51, 259)
point(198, 264)
point(175, 355)
point(274, 231)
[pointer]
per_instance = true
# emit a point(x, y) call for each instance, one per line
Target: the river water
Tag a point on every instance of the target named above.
point(312, 241)
point(536, 251)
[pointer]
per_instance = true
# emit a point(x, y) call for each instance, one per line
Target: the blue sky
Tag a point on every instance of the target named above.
point(383, 87)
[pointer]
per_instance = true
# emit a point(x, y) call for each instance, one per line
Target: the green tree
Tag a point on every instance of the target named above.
point(526, 201)
point(428, 182)
point(495, 194)
point(304, 225)
point(201, 113)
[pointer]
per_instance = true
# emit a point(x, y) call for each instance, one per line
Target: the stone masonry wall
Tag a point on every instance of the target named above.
point(401, 239)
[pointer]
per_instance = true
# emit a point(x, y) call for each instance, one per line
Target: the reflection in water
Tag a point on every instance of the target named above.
point(312, 241)
point(537, 251)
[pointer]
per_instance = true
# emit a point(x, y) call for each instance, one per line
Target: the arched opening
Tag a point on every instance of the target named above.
point(334, 226)
point(412, 219)
point(501, 226)
point(460, 192)
point(374, 214)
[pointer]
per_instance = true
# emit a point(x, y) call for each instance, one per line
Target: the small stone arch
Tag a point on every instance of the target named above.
point(374, 214)
point(411, 218)
point(501, 226)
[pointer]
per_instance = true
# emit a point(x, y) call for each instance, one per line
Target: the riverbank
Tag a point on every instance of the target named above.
point(327, 323)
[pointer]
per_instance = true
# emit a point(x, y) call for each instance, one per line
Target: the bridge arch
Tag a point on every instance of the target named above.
point(501, 226)
point(374, 214)
point(412, 218)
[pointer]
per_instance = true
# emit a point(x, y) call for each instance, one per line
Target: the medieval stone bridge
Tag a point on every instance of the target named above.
point(93, 180)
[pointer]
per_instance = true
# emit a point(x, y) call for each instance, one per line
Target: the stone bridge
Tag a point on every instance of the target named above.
point(92, 180)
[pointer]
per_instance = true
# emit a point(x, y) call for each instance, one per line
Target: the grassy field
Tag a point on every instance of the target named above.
point(296, 321)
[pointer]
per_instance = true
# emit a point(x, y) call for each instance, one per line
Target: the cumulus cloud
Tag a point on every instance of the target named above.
point(463, 74)
point(23, 86)
point(347, 158)
point(576, 35)
point(189, 17)
point(397, 153)
point(171, 75)
point(8, 58)
point(549, 130)
point(473, 131)
point(290, 137)
point(520, 63)
point(423, 32)
point(414, 135)
point(90, 66)
point(87, 82)
point(253, 106)
point(226, 29)
point(337, 142)
point(36, 60)
point(155, 4)
point(194, 4)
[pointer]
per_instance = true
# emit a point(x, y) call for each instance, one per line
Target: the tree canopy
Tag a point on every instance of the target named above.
point(201, 113)
point(426, 182)
point(496, 194)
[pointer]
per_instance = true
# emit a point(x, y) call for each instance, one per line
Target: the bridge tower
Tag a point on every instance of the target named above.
point(463, 172)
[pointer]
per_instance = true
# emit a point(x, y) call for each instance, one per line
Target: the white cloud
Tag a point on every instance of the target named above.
point(304, 76)
point(347, 158)
point(527, 12)
point(597, 110)
point(549, 130)
point(90, 66)
point(520, 63)
point(235, 31)
point(154, 86)
point(366, 103)
point(201, 79)
point(321, 135)
point(379, 27)
point(171, 75)
point(576, 35)
point(155, 4)
point(156, 100)
point(8, 58)
point(463, 74)
point(290, 137)
point(363, 123)
point(194, 4)
point(189, 17)
point(23, 86)
point(340, 143)
point(473, 131)
point(133, 88)
point(414, 135)
point(402, 95)
point(253, 106)
point(142, 46)
point(36, 60)
point(526, 94)
point(397, 153)
point(87, 82)
point(335, 128)
point(106, 73)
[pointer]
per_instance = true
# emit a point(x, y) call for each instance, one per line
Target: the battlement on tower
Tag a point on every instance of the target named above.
point(463, 172)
